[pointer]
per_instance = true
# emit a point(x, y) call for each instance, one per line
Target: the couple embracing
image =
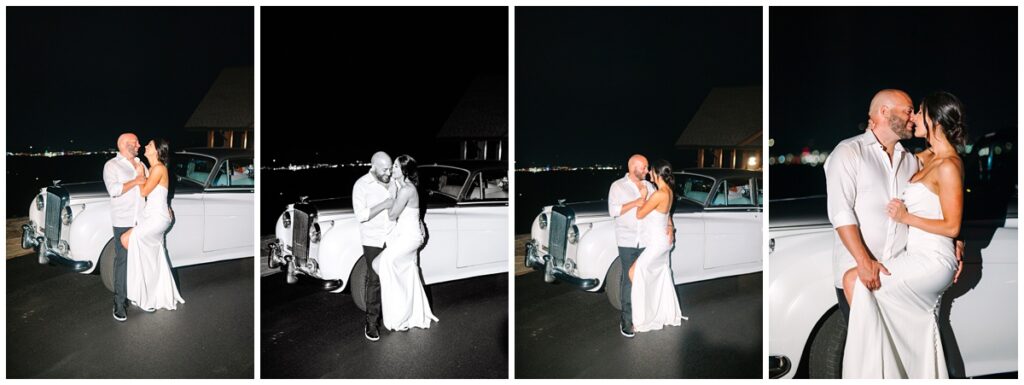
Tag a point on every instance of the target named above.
point(141, 216)
point(644, 235)
point(386, 202)
point(896, 216)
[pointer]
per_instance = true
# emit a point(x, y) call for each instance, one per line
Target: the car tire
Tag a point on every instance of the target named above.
point(107, 265)
point(825, 358)
point(613, 284)
point(357, 284)
point(549, 271)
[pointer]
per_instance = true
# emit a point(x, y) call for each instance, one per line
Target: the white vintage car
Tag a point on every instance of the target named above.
point(466, 216)
point(717, 216)
point(212, 199)
point(978, 315)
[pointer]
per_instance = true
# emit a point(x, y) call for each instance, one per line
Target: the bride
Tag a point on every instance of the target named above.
point(893, 331)
point(403, 301)
point(150, 282)
point(654, 295)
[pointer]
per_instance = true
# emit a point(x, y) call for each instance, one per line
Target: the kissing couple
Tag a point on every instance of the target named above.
point(644, 234)
point(140, 215)
point(386, 202)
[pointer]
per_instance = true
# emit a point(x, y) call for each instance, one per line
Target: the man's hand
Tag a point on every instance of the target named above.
point(868, 273)
point(897, 210)
point(959, 259)
point(643, 190)
point(672, 234)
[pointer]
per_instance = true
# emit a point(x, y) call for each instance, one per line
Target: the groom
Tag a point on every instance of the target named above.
point(122, 176)
point(624, 197)
point(372, 195)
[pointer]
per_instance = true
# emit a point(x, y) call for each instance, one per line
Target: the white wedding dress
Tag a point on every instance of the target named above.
point(150, 281)
point(654, 294)
point(893, 331)
point(403, 301)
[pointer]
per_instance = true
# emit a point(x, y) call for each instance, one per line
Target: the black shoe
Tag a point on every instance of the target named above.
point(119, 313)
point(371, 333)
point(626, 330)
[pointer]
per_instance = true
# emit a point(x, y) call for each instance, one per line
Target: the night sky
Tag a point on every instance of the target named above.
point(827, 63)
point(78, 77)
point(594, 85)
point(393, 74)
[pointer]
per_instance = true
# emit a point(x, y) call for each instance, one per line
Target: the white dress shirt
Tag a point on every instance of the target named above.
point(126, 207)
point(860, 181)
point(366, 193)
point(627, 227)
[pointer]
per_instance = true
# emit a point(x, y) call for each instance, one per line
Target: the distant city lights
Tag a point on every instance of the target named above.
point(54, 154)
point(300, 167)
point(596, 167)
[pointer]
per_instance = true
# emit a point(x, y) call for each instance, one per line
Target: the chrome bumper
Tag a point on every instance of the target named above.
point(47, 255)
point(534, 260)
point(277, 257)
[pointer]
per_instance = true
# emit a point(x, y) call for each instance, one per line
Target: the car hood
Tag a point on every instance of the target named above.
point(84, 190)
point(338, 206)
point(798, 212)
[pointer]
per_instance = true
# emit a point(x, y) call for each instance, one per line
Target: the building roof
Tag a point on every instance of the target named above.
point(482, 113)
point(228, 104)
point(729, 117)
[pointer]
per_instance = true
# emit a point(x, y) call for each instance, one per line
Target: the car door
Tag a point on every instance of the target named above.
point(228, 206)
point(186, 192)
point(483, 219)
point(440, 187)
point(732, 223)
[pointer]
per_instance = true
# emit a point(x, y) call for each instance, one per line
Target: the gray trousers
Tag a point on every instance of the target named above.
point(627, 255)
point(120, 268)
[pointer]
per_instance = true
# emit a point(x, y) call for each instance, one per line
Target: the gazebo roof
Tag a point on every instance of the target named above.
point(228, 104)
point(482, 113)
point(729, 117)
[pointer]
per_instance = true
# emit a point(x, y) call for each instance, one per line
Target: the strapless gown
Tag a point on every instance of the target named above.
point(150, 280)
point(655, 303)
point(403, 301)
point(893, 331)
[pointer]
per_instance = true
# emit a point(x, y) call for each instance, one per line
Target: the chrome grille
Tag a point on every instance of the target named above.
point(52, 224)
point(300, 236)
point(558, 224)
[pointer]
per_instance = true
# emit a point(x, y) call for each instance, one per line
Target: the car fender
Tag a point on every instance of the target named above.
point(340, 249)
point(597, 251)
point(90, 231)
point(800, 289)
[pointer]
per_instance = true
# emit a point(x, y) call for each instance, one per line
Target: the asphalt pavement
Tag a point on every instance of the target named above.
point(59, 325)
point(309, 333)
point(564, 332)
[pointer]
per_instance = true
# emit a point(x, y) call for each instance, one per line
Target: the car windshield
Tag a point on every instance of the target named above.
point(192, 167)
point(694, 187)
point(441, 179)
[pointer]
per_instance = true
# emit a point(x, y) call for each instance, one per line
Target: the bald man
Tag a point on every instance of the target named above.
point(862, 174)
point(624, 197)
point(123, 175)
point(371, 196)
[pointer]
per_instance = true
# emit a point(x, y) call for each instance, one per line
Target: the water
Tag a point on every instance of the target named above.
point(536, 190)
point(279, 188)
point(26, 175)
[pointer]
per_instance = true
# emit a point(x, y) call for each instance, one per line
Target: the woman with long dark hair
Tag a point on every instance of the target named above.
point(893, 331)
point(150, 281)
point(653, 296)
point(403, 301)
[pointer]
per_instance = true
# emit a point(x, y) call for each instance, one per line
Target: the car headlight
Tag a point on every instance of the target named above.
point(543, 221)
point(65, 216)
point(574, 234)
point(287, 219)
point(314, 233)
point(39, 202)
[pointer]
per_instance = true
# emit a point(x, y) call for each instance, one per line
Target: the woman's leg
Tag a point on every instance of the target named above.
point(849, 279)
point(124, 237)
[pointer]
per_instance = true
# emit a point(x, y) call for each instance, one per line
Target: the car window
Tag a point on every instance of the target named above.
point(235, 172)
point(444, 180)
point(195, 168)
point(694, 187)
point(489, 185)
point(733, 192)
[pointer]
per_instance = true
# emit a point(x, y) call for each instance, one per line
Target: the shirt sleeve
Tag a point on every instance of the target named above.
point(841, 186)
point(615, 201)
point(113, 185)
point(359, 202)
